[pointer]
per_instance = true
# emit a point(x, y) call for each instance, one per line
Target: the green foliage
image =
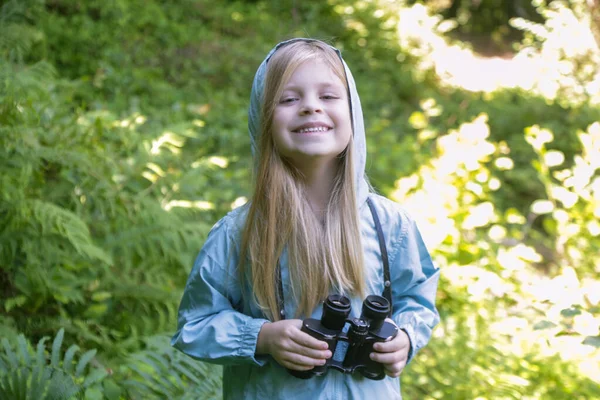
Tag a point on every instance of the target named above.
point(123, 138)
point(161, 372)
point(28, 374)
point(506, 329)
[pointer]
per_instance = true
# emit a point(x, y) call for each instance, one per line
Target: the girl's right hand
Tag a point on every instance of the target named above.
point(291, 347)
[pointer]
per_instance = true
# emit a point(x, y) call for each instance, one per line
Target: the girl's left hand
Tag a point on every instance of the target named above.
point(393, 354)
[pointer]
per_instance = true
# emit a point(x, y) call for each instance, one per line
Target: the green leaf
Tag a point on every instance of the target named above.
point(17, 301)
point(41, 349)
point(101, 296)
point(56, 344)
point(112, 391)
point(61, 386)
point(543, 325)
point(570, 312)
point(97, 375)
point(22, 376)
point(23, 349)
point(93, 393)
point(12, 358)
point(68, 360)
point(83, 361)
point(39, 381)
point(566, 333)
point(592, 341)
point(7, 386)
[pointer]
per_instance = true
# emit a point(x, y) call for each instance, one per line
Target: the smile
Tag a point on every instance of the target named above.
point(316, 129)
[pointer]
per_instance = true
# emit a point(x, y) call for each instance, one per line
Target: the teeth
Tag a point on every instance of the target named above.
point(319, 129)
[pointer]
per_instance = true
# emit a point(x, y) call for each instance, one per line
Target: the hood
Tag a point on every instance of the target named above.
point(358, 126)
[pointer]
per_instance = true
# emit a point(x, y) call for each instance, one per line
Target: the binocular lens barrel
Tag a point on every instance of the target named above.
point(375, 309)
point(335, 311)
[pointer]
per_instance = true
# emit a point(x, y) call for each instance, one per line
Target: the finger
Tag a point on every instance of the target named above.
point(309, 352)
point(400, 342)
point(394, 371)
point(305, 340)
point(296, 367)
point(299, 359)
point(390, 347)
point(389, 358)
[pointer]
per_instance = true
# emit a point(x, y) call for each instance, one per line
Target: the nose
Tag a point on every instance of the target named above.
point(310, 104)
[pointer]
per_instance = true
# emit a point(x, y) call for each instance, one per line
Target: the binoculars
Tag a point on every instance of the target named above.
point(350, 340)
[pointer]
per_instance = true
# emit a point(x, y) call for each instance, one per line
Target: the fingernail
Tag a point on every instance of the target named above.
point(372, 355)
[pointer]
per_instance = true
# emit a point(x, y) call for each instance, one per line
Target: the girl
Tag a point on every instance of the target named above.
point(312, 229)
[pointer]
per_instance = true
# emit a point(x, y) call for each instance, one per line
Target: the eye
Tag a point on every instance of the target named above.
point(329, 97)
point(287, 100)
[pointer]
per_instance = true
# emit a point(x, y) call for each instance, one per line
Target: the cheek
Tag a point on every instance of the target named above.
point(280, 120)
point(347, 131)
point(276, 126)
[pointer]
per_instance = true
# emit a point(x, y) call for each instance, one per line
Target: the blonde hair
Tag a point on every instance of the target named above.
point(321, 257)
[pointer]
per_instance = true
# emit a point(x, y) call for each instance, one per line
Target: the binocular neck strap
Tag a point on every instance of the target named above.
point(387, 284)
point(280, 299)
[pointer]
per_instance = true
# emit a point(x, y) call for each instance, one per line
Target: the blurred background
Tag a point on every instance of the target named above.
point(123, 139)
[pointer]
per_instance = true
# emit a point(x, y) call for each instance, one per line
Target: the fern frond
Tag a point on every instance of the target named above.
point(56, 344)
point(30, 375)
point(162, 372)
point(57, 220)
point(68, 360)
point(83, 362)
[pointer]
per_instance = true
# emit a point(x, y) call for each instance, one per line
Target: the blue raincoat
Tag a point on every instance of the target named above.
point(218, 324)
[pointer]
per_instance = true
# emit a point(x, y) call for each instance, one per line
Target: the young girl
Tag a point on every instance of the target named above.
point(311, 229)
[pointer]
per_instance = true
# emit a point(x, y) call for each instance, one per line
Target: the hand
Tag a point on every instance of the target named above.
point(392, 354)
point(291, 347)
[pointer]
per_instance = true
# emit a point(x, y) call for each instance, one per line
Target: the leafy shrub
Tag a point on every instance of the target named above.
point(123, 138)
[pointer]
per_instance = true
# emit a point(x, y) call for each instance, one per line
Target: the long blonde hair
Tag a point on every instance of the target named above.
point(321, 257)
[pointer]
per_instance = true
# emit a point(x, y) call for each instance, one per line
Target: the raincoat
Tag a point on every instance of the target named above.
point(218, 324)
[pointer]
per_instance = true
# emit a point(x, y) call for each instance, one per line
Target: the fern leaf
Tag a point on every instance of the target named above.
point(83, 362)
point(57, 220)
point(167, 369)
point(147, 377)
point(61, 386)
point(39, 380)
point(141, 389)
point(187, 373)
point(197, 366)
point(40, 352)
point(17, 301)
point(20, 382)
point(96, 376)
point(68, 360)
point(6, 389)
point(23, 349)
point(157, 357)
point(10, 355)
point(55, 356)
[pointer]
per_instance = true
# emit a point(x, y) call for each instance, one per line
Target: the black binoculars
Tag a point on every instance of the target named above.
point(350, 340)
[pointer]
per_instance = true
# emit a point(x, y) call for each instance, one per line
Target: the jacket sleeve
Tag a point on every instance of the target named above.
point(414, 285)
point(209, 328)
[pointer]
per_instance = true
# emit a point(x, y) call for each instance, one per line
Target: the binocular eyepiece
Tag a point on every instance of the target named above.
point(350, 339)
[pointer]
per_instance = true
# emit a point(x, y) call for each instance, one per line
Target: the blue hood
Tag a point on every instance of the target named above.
point(358, 126)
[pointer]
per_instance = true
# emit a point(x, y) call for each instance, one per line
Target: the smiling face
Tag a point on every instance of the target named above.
point(311, 120)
